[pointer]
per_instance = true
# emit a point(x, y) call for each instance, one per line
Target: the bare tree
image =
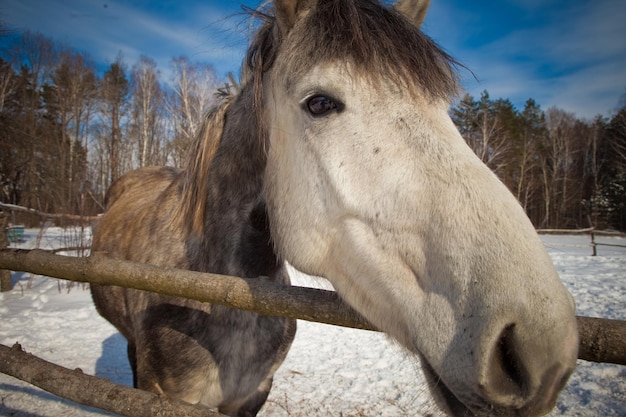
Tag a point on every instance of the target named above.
point(74, 90)
point(195, 85)
point(486, 126)
point(113, 94)
point(591, 155)
point(147, 103)
point(532, 130)
point(37, 52)
point(492, 145)
point(614, 178)
point(618, 133)
point(7, 82)
point(558, 169)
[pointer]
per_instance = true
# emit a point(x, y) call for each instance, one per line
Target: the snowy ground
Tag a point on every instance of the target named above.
point(330, 371)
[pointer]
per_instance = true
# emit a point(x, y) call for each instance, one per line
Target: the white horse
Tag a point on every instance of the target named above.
point(340, 140)
point(370, 185)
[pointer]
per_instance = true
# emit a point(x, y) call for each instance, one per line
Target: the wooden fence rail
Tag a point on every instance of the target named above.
point(258, 295)
point(601, 340)
point(592, 232)
point(75, 217)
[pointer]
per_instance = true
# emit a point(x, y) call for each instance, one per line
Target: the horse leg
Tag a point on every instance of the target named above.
point(132, 358)
point(252, 404)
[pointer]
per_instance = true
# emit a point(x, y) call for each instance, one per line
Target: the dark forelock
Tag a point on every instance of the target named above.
point(373, 37)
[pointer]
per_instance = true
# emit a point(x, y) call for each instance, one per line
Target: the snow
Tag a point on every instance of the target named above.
point(330, 371)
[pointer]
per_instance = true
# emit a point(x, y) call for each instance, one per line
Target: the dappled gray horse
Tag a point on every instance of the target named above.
point(337, 154)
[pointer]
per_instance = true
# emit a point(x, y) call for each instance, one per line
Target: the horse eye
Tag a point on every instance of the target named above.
point(321, 105)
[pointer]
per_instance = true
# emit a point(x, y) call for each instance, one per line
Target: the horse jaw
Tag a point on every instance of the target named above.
point(386, 201)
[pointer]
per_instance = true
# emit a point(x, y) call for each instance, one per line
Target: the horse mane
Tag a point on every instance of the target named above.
point(195, 175)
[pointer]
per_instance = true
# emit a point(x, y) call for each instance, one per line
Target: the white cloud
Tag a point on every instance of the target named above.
point(576, 60)
point(592, 91)
point(160, 37)
point(199, 31)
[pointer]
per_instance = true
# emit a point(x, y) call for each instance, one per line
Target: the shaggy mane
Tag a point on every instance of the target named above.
point(194, 178)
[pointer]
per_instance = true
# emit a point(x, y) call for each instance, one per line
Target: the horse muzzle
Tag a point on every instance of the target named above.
point(516, 376)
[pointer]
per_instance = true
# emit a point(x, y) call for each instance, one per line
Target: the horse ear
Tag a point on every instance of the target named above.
point(287, 12)
point(414, 10)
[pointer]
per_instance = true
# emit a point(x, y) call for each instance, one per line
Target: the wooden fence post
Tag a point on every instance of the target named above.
point(5, 275)
point(594, 250)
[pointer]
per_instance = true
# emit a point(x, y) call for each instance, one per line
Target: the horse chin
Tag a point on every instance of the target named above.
point(454, 407)
point(445, 398)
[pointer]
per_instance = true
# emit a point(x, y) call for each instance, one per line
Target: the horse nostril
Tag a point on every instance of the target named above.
point(525, 366)
point(508, 375)
point(510, 360)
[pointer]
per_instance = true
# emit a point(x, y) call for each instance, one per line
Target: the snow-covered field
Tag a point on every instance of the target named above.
point(330, 371)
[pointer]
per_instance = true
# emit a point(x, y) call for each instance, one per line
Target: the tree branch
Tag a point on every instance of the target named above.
point(92, 391)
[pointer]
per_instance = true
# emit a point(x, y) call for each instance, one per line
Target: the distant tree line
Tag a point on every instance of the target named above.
point(67, 132)
point(566, 172)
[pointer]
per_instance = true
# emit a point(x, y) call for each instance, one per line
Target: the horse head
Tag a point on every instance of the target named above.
point(369, 184)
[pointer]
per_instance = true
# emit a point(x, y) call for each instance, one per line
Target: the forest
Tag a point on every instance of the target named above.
point(68, 129)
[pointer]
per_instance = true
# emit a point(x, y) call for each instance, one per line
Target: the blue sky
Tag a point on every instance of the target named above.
point(565, 53)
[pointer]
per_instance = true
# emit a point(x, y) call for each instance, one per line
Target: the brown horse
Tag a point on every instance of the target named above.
point(188, 350)
point(337, 154)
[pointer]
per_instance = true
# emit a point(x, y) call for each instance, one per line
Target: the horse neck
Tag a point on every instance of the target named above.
point(236, 238)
